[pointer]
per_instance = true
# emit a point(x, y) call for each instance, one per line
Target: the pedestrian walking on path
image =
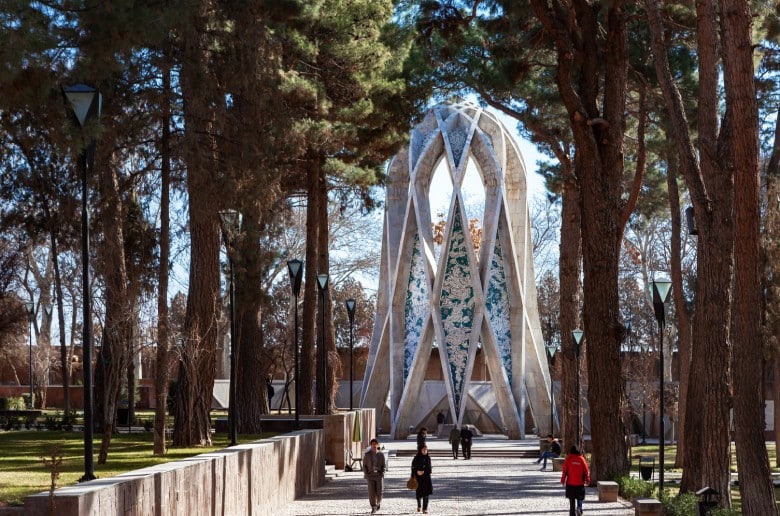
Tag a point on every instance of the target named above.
point(455, 441)
point(575, 477)
point(466, 438)
point(421, 470)
point(374, 472)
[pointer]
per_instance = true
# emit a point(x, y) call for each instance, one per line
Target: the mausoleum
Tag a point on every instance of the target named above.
point(463, 284)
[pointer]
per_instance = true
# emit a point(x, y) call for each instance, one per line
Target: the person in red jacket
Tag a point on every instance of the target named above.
point(575, 477)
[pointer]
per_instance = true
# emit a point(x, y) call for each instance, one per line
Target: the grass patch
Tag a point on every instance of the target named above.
point(22, 471)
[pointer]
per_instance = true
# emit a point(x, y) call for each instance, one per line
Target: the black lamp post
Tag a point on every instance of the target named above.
point(295, 268)
point(30, 306)
point(322, 283)
point(661, 290)
point(231, 226)
point(551, 349)
point(577, 335)
point(351, 313)
point(86, 103)
point(644, 347)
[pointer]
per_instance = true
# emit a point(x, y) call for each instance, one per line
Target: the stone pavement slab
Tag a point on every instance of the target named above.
point(489, 484)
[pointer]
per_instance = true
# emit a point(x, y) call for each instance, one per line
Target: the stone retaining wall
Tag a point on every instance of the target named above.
point(253, 478)
point(339, 435)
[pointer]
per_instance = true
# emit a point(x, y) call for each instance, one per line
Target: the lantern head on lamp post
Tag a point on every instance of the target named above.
point(660, 289)
point(551, 349)
point(322, 283)
point(577, 335)
point(231, 226)
point(350, 304)
point(86, 103)
point(295, 270)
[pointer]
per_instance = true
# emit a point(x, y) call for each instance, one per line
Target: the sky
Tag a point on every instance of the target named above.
point(441, 186)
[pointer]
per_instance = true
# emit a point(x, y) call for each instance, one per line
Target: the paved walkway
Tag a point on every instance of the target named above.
point(480, 486)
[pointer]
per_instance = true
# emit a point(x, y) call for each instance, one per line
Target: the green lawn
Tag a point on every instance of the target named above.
point(22, 471)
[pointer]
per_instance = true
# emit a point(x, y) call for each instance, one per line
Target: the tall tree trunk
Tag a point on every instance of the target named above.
point(600, 170)
point(64, 362)
point(308, 323)
point(590, 58)
point(41, 353)
point(252, 368)
point(163, 372)
point(197, 364)
point(709, 399)
point(683, 315)
point(118, 319)
point(251, 131)
point(603, 329)
point(252, 365)
point(755, 481)
point(332, 362)
point(131, 384)
point(198, 351)
point(570, 302)
point(771, 242)
point(706, 455)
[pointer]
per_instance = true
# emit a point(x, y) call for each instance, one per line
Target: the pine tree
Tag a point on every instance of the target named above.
point(344, 78)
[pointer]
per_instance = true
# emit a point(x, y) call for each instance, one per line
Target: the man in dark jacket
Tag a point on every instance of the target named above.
point(466, 436)
point(374, 472)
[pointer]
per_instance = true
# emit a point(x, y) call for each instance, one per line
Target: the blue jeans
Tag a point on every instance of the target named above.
point(547, 455)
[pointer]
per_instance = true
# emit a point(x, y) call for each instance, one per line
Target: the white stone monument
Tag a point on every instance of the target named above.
point(461, 295)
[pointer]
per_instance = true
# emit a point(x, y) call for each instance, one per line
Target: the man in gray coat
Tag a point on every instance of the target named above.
point(374, 472)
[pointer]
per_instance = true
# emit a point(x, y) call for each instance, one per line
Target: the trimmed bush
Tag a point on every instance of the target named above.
point(633, 488)
point(681, 505)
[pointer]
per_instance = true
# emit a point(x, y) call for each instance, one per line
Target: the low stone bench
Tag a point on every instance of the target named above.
point(647, 507)
point(557, 463)
point(608, 491)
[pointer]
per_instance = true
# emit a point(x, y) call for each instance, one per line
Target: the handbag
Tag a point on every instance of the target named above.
point(411, 483)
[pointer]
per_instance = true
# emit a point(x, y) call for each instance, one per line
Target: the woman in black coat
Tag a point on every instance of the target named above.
point(421, 470)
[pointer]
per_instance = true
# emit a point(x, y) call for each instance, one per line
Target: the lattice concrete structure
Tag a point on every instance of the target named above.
point(463, 298)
